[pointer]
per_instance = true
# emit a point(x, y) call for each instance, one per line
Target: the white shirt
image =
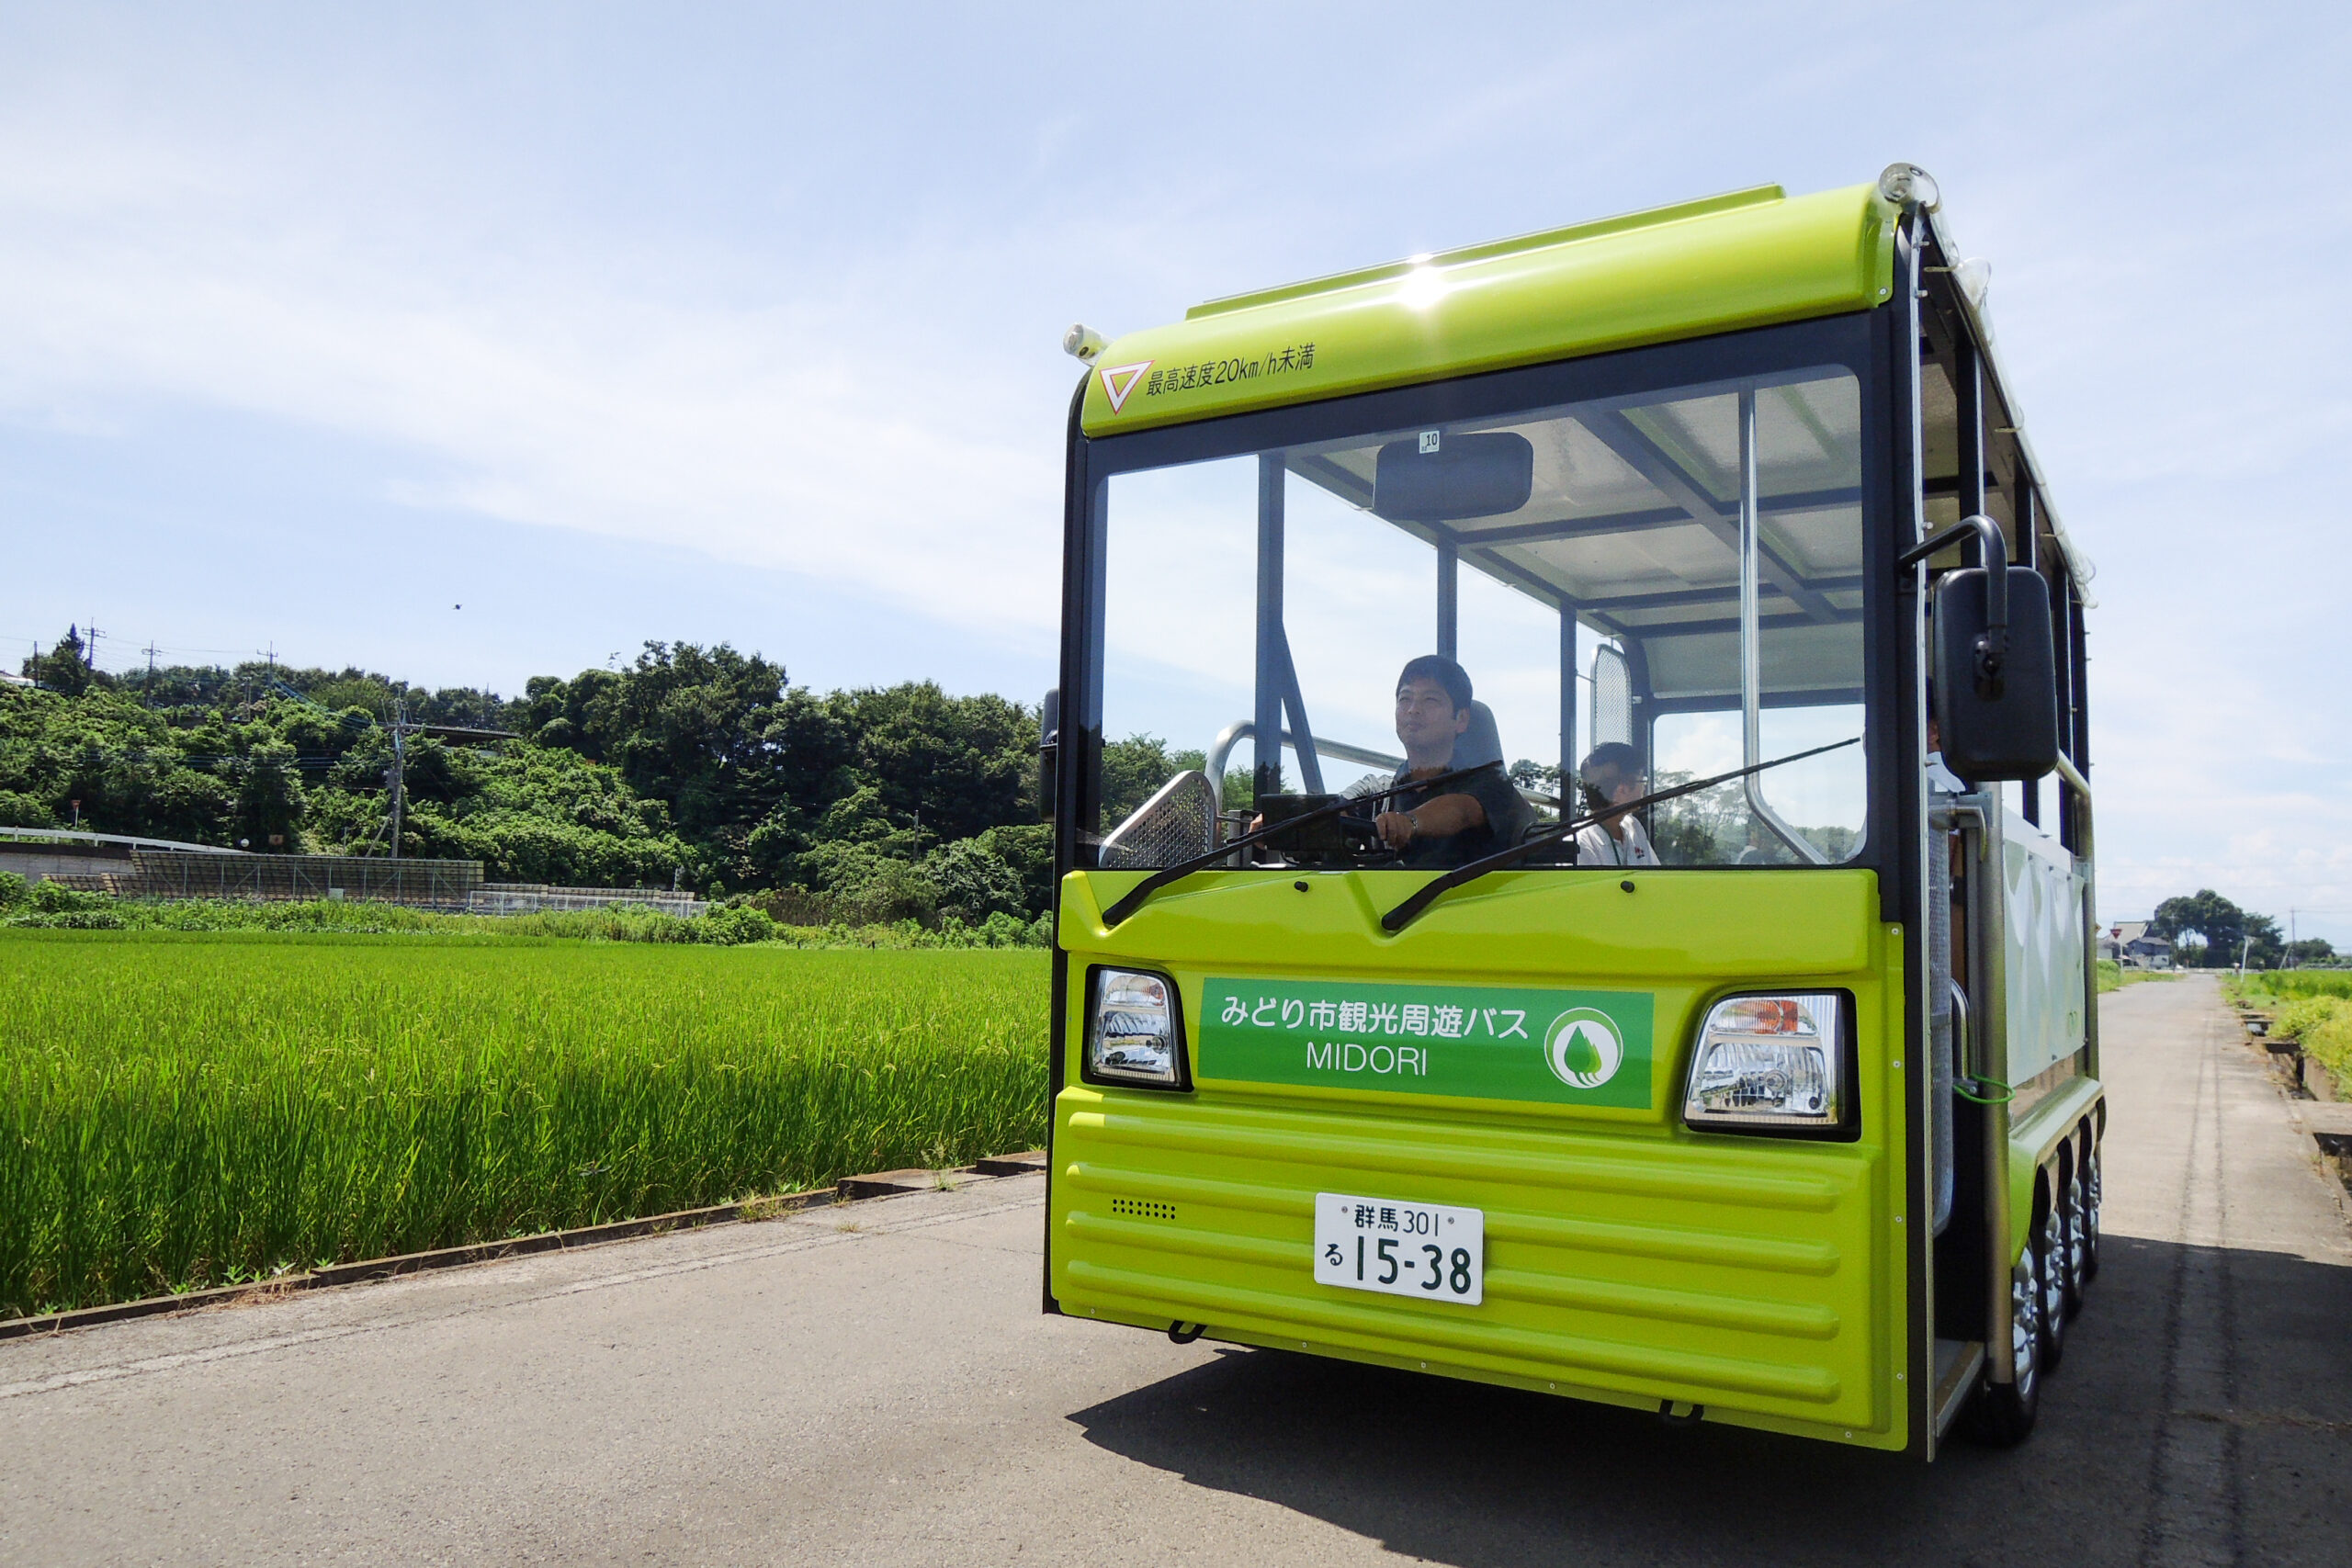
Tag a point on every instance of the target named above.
point(1596, 846)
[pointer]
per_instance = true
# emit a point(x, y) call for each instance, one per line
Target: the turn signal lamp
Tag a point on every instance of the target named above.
point(1135, 1033)
point(1771, 1063)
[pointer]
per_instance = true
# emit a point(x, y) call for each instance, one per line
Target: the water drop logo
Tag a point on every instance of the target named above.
point(1584, 1048)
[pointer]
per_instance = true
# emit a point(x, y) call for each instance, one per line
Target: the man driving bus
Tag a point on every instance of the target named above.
point(1460, 825)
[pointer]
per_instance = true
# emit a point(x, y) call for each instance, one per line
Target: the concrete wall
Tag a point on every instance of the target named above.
point(38, 863)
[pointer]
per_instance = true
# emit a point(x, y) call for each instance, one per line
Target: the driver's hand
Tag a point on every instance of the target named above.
point(1395, 828)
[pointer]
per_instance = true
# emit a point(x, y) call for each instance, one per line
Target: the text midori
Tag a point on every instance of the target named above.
point(1350, 1056)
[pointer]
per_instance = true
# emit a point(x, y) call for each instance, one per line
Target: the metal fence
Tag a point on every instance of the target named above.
point(531, 898)
point(429, 884)
point(452, 884)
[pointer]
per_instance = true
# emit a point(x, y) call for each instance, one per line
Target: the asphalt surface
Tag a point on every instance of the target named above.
point(874, 1384)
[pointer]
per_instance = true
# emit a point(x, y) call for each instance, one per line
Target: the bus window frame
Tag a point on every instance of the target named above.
point(1857, 342)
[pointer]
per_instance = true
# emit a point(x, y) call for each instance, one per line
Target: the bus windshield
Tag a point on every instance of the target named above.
point(1668, 582)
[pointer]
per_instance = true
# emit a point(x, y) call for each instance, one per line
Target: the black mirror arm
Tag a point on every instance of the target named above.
point(1992, 551)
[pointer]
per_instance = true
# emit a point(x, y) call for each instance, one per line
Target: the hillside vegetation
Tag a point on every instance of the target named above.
point(875, 804)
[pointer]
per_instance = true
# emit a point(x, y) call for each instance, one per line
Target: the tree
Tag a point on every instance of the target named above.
point(269, 800)
point(2221, 923)
point(65, 667)
point(890, 802)
point(2310, 951)
point(974, 882)
point(953, 766)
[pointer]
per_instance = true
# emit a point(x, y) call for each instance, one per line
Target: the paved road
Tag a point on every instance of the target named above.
point(874, 1385)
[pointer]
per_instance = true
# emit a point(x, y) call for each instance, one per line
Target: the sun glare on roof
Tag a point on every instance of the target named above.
point(1423, 287)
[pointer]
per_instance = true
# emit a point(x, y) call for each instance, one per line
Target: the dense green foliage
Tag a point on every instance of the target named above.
point(178, 1111)
point(2208, 931)
point(2314, 1007)
point(699, 764)
point(50, 906)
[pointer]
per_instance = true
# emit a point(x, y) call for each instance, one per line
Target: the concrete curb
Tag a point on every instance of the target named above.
point(850, 1188)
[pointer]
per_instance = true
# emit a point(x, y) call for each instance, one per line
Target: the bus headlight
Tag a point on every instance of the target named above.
point(1135, 1033)
point(1772, 1063)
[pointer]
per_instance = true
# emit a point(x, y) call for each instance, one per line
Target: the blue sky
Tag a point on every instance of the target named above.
point(611, 322)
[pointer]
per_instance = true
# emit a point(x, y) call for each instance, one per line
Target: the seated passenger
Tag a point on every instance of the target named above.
point(1612, 776)
point(1472, 817)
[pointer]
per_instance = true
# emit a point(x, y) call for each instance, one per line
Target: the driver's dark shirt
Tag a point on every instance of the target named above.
point(1493, 792)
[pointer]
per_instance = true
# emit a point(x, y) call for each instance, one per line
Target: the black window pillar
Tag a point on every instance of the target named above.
point(1272, 652)
point(1449, 573)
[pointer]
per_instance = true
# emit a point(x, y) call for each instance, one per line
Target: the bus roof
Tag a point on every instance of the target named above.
point(1748, 259)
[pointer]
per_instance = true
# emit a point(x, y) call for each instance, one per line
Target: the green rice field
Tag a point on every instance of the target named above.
point(179, 1110)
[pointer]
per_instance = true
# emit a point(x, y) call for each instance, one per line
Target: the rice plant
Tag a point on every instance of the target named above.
point(178, 1111)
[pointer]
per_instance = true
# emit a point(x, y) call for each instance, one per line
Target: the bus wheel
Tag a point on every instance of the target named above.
point(2049, 1251)
point(2089, 1212)
point(2001, 1413)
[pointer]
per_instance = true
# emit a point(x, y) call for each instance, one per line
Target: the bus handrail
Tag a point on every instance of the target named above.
point(1242, 730)
point(2066, 770)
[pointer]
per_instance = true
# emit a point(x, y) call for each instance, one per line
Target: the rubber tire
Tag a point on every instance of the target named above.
point(2048, 1244)
point(2091, 1196)
point(2075, 1249)
point(2003, 1414)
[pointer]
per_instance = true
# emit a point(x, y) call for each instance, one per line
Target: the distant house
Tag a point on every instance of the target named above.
point(2127, 943)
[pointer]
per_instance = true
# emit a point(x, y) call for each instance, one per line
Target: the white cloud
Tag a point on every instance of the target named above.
point(772, 434)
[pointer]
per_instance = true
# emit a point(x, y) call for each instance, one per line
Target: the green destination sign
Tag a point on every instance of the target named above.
point(1479, 1041)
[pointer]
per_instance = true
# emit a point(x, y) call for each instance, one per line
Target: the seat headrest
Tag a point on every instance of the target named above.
point(1481, 744)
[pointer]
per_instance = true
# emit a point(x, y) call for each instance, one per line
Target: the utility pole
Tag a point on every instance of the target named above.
point(397, 775)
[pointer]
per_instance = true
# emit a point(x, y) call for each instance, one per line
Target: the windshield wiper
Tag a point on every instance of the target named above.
point(1182, 869)
point(1403, 915)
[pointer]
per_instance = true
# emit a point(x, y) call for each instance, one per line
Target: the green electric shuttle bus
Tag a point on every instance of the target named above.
point(1573, 832)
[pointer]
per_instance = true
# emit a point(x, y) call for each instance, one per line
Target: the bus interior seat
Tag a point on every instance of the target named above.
point(1479, 745)
point(1482, 742)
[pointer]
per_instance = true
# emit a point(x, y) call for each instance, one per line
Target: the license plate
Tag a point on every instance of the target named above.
point(1403, 1249)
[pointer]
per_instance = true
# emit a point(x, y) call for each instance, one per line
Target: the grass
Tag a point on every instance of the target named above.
point(181, 1110)
point(2311, 1006)
point(2113, 976)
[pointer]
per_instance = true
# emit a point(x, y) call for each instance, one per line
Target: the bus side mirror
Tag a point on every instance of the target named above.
point(1049, 747)
point(1997, 687)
